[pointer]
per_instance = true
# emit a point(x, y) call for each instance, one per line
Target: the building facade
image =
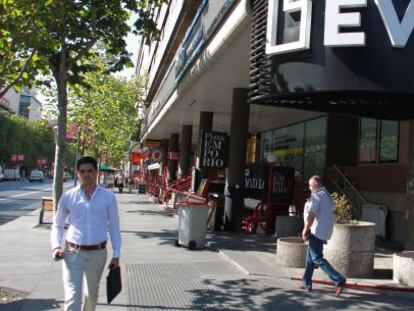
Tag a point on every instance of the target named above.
point(23, 103)
point(323, 86)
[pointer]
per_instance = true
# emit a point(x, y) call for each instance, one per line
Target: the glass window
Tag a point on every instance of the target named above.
point(389, 141)
point(287, 145)
point(266, 142)
point(368, 140)
point(24, 105)
point(315, 148)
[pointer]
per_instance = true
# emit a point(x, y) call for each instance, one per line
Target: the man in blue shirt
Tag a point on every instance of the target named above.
point(319, 223)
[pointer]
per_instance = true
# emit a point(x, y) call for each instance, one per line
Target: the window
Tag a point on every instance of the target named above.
point(287, 145)
point(389, 141)
point(266, 144)
point(368, 140)
point(301, 145)
point(24, 105)
point(379, 141)
point(315, 147)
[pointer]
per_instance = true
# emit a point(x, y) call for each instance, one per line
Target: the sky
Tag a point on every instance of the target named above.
point(132, 47)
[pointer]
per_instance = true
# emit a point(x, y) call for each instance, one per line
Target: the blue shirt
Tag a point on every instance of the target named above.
point(320, 203)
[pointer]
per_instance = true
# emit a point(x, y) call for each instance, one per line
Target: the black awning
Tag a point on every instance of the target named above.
point(379, 105)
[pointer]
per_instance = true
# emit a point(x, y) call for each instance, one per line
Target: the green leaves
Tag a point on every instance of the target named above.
point(104, 109)
point(33, 139)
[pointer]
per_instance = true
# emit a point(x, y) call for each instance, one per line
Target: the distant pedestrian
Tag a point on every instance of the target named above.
point(121, 181)
point(319, 222)
point(90, 211)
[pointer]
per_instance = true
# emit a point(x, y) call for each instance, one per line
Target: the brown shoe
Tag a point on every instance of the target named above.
point(308, 289)
point(339, 289)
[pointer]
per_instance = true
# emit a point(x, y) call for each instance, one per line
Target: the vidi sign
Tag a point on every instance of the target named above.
point(336, 20)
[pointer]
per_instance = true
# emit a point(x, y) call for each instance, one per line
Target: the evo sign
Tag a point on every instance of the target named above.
point(342, 18)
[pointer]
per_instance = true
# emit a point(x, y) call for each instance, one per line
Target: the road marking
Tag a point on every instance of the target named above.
point(20, 195)
point(29, 193)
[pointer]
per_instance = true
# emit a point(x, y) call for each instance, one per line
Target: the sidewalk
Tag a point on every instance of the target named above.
point(233, 272)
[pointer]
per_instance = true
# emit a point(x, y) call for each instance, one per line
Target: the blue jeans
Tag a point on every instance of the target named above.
point(314, 257)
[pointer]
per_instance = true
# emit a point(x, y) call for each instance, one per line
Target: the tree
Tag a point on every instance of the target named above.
point(20, 35)
point(32, 139)
point(105, 112)
point(68, 32)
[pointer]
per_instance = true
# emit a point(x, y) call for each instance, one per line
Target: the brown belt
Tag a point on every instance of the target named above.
point(86, 247)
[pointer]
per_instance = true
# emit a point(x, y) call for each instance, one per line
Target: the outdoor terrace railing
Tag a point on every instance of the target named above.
point(345, 186)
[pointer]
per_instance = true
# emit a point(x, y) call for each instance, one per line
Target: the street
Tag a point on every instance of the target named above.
point(21, 197)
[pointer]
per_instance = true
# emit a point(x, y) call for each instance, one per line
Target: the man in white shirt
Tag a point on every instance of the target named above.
point(91, 212)
point(319, 223)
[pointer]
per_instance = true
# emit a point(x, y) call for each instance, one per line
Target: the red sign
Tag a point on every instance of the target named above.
point(38, 161)
point(173, 155)
point(136, 157)
point(17, 157)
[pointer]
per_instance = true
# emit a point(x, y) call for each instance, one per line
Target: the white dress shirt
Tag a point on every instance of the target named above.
point(89, 220)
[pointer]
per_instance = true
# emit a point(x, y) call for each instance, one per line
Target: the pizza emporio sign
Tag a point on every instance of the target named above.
point(213, 149)
point(336, 21)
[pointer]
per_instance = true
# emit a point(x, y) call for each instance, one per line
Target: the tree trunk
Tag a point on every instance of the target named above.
point(61, 81)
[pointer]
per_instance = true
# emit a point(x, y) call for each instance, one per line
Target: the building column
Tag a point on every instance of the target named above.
point(206, 123)
point(409, 237)
point(185, 150)
point(172, 164)
point(239, 129)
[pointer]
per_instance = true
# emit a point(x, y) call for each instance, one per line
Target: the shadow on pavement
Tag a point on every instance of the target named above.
point(32, 304)
point(142, 202)
point(169, 212)
point(243, 242)
point(246, 294)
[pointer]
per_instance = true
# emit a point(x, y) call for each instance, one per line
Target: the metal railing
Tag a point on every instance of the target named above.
point(345, 186)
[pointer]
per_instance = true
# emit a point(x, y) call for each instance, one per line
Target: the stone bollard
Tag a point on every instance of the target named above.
point(403, 266)
point(351, 249)
point(291, 252)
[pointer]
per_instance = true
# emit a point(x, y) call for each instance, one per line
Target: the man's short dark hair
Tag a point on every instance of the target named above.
point(87, 160)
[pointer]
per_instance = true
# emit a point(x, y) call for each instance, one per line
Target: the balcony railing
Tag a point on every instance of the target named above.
point(206, 21)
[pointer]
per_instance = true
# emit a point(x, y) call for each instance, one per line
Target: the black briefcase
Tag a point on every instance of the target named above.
point(113, 283)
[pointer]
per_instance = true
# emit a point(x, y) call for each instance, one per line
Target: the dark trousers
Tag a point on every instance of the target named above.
point(314, 257)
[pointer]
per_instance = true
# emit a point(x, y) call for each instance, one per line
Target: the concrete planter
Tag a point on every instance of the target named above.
point(351, 249)
point(403, 266)
point(288, 226)
point(291, 252)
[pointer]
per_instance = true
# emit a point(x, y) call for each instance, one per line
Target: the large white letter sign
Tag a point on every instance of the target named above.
point(399, 33)
point(334, 20)
point(289, 7)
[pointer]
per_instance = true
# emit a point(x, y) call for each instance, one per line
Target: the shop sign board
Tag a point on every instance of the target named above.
point(257, 182)
point(136, 157)
point(17, 157)
point(337, 17)
point(157, 155)
point(213, 149)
